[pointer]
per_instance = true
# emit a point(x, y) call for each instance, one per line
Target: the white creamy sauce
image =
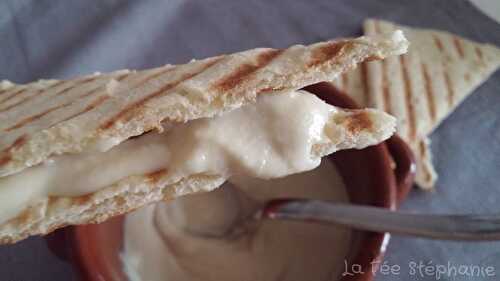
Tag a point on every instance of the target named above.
point(162, 241)
point(271, 138)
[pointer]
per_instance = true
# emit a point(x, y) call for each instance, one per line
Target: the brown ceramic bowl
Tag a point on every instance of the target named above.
point(369, 174)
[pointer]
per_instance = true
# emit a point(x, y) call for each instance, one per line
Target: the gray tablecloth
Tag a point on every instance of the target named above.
point(61, 38)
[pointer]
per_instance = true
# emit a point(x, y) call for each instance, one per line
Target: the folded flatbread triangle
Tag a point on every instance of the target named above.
point(43, 119)
point(423, 86)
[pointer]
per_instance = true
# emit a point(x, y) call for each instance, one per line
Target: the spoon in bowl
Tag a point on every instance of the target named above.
point(445, 227)
point(234, 213)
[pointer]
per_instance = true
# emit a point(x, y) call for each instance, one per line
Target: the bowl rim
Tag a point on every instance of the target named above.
point(392, 152)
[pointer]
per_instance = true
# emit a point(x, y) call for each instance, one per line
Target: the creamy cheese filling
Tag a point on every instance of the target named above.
point(270, 138)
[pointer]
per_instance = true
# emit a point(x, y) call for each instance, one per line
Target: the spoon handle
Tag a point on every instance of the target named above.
point(445, 227)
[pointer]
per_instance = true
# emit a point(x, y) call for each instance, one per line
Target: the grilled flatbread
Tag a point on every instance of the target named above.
point(44, 119)
point(423, 86)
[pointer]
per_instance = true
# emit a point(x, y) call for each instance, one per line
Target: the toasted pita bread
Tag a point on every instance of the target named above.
point(423, 86)
point(47, 118)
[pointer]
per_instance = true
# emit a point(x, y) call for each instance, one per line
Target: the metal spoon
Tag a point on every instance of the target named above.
point(468, 227)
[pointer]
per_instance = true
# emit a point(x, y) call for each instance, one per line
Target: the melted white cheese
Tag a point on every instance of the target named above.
point(270, 138)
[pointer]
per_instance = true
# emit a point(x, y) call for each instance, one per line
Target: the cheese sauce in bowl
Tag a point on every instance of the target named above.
point(173, 241)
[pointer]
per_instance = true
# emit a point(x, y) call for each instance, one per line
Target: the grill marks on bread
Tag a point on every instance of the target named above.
point(408, 92)
point(19, 142)
point(329, 51)
point(365, 88)
point(26, 98)
point(387, 94)
point(6, 154)
point(78, 97)
point(163, 90)
point(98, 101)
point(429, 92)
point(230, 81)
point(457, 42)
point(358, 122)
point(14, 93)
point(438, 42)
point(446, 76)
point(35, 117)
point(240, 75)
point(449, 89)
point(479, 53)
point(72, 87)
